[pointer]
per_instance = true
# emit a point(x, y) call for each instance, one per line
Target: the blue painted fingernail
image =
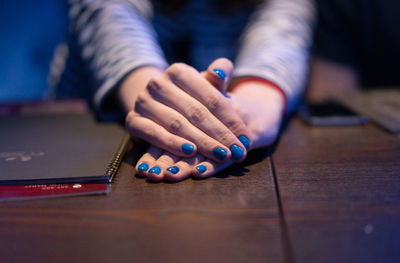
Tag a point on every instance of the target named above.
point(201, 168)
point(245, 141)
point(226, 95)
point(220, 73)
point(155, 170)
point(187, 148)
point(143, 167)
point(220, 153)
point(236, 151)
point(173, 169)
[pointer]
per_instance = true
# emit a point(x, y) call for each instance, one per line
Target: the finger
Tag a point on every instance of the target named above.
point(219, 73)
point(176, 124)
point(182, 169)
point(209, 168)
point(157, 135)
point(190, 110)
point(196, 86)
point(147, 160)
point(157, 171)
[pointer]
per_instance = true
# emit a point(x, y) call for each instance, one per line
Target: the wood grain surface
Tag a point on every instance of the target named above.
point(328, 194)
point(232, 217)
point(340, 193)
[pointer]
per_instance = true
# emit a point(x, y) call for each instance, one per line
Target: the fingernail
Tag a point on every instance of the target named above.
point(245, 141)
point(236, 151)
point(173, 169)
point(226, 95)
point(220, 73)
point(155, 170)
point(220, 153)
point(201, 168)
point(143, 167)
point(187, 148)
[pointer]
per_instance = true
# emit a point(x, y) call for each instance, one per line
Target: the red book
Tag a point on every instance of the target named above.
point(18, 192)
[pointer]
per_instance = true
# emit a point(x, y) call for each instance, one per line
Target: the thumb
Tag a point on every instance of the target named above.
point(219, 73)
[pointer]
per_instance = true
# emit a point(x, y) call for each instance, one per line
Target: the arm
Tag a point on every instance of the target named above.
point(275, 46)
point(275, 51)
point(114, 38)
point(119, 46)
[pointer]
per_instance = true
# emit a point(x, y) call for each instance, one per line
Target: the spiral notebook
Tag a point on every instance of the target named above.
point(59, 149)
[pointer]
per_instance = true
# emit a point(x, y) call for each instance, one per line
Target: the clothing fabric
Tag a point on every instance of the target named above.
point(110, 39)
point(363, 34)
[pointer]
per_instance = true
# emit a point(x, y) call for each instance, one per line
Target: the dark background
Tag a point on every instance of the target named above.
point(29, 32)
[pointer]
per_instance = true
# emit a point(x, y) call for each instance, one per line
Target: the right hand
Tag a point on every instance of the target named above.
point(182, 112)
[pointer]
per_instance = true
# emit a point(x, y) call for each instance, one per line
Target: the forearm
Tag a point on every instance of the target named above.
point(115, 38)
point(276, 46)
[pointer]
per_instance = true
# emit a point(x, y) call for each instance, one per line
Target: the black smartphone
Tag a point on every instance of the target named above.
point(329, 114)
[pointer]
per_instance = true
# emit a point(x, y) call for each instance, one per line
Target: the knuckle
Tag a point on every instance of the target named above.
point(206, 143)
point(141, 98)
point(196, 114)
point(176, 69)
point(175, 125)
point(129, 118)
point(173, 143)
point(129, 121)
point(179, 72)
point(149, 131)
point(155, 84)
point(213, 102)
point(235, 126)
point(224, 137)
point(226, 61)
point(146, 132)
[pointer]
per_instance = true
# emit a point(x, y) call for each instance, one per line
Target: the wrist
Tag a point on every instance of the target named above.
point(262, 90)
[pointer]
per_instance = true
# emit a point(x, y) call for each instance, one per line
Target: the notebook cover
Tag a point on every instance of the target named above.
point(59, 149)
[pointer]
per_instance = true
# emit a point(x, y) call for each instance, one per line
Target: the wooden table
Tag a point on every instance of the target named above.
point(339, 190)
point(325, 195)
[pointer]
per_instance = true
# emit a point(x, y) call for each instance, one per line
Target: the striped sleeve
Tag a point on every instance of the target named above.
point(276, 44)
point(114, 38)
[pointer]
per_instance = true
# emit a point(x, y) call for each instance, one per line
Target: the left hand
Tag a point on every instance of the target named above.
point(261, 108)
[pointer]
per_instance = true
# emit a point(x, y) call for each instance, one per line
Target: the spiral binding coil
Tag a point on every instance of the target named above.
point(113, 166)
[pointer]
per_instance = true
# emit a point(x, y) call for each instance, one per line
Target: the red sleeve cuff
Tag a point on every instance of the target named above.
point(264, 81)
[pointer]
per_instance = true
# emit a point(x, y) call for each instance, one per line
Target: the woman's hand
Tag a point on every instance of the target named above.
point(261, 107)
point(181, 112)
